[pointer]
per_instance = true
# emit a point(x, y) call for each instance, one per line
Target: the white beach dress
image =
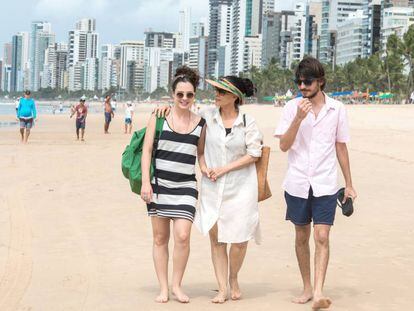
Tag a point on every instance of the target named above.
point(231, 201)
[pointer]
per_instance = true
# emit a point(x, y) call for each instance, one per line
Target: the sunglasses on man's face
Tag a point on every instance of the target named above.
point(220, 91)
point(189, 95)
point(307, 81)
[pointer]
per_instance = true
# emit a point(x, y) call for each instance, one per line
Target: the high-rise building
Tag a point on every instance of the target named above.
point(286, 37)
point(272, 23)
point(83, 55)
point(350, 42)
point(130, 51)
point(333, 13)
point(6, 78)
point(396, 20)
point(395, 3)
point(86, 24)
point(83, 42)
point(157, 67)
point(89, 74)
point(219, 39)
point(184, 27)
point(252, 52)
point(371, 27)
point(315, 12)
point(41, 37)
point(197, 58)
point(110, 51)
point(20, 61)
point(246, 21)
point(7, 53)
point(159, 39)
point(198, 30)
point(135, 77)
point(61, 66)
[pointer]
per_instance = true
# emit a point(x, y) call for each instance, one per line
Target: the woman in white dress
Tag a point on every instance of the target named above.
point(228, 209)
point(228, 202)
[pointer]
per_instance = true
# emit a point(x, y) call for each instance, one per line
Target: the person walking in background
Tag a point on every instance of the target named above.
point(314, 130)
point(81, 113)
point(412, 98)
point(129, 114)
point(109, 113)
point(26, 113)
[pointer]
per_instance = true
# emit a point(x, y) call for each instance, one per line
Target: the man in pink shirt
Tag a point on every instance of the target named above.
point(314, 129)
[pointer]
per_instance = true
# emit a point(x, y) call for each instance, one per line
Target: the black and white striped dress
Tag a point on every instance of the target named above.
point(176, 194)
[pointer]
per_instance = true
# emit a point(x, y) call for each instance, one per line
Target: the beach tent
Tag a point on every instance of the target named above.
point(385, 96)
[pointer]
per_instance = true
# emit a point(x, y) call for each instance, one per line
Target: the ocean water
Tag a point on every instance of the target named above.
point(10, 109)
point(44, 108)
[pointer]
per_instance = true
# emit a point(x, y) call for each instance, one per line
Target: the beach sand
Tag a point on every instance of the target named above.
point(73, 236)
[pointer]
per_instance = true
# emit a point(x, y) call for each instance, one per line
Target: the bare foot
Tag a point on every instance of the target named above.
point(180, 295)
point(162, 297)
point(321, 303)
point(234, 289)
point(304, 298)
point(221, 297)
point(82, 139)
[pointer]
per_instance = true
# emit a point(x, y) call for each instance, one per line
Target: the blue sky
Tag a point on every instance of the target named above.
point(117, 20)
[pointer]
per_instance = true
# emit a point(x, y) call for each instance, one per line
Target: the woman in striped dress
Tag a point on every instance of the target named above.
point(173, 194)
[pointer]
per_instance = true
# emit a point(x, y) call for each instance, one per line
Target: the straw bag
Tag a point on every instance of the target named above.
point(261, 169)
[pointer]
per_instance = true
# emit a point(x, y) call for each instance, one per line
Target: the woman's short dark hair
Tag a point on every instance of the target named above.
point(310, 67)
point(185, 74)
point(244, 85)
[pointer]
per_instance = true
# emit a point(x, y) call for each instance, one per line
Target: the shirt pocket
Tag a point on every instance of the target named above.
point(327, 134)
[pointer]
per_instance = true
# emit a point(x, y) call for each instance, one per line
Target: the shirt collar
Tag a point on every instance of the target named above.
point(217, 117)
point(329, 101)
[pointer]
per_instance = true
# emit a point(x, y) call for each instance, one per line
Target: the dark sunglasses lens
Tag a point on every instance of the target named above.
point(180, 95)
point(190, 95)
point(307, 82)
point(220, 91)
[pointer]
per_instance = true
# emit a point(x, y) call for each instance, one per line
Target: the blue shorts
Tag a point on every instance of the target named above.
point(128, 121)
point(26, 123)
point(108, 117)
point(320, 210)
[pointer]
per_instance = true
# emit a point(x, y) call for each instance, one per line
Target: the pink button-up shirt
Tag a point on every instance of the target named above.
point(312, 157)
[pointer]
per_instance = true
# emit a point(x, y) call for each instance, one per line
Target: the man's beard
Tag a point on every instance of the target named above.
point(312, 95)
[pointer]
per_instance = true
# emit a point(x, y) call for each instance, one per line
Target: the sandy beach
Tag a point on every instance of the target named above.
point(74, 237)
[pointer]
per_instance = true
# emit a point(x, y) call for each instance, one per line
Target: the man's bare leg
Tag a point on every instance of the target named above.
point(237, 254)
point(22, 134)
point(220, 263)
point(303, 256)
point(161, 235)
point(82, 134)
point(321, 235)
point(126, 128)
point(77, 134)
point(26, 135)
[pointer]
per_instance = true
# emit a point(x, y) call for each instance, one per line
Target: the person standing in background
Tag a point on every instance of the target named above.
point(109, 113)
point(26, 113)
point(129, 113)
